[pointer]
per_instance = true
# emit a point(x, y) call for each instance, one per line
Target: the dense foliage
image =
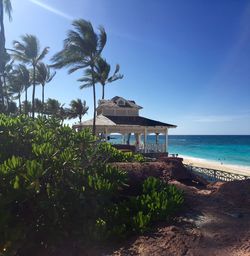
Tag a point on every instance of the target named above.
point(56, 185)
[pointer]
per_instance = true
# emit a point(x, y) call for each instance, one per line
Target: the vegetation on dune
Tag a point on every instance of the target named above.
point(56, 184)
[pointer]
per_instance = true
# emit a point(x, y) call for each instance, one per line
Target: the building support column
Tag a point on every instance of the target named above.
point(137, 141)
point(106, 134)
point(145, 140)
point(156, 138)
point(156, 148)
point(166, 140)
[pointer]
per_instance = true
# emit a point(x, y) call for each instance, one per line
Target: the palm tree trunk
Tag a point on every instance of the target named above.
point(42, 98)
point(94, 96)
point(2, 51)
point(103, 87)
point(34, 91)
point(2, 96)
point(6, 93)
point(26, 101)
point(19, 100)
point(80, 118)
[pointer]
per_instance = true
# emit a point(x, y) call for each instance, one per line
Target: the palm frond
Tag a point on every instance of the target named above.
point(43, 54)
point(76, 67)
point(87, 85)
point(85, 79)
point(8, 8)
point(102, 39)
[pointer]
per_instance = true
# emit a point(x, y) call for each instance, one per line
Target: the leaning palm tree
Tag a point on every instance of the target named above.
point(78, 109)
point(4, 5)
point(44, 76)
point(81, 49)
point(28, 51)
point(102, 73)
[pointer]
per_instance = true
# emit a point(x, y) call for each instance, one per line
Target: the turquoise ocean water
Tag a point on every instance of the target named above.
point(229, 149)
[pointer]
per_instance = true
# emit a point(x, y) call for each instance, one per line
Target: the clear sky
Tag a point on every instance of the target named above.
point(186, 62)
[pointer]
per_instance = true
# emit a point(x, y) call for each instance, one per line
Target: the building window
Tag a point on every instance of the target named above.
point(121, 103)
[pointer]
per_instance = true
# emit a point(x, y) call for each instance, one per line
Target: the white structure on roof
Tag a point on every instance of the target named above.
point(118, 106)
point(119, 115)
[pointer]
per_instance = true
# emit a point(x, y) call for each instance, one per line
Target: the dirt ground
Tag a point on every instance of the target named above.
point(216, 221)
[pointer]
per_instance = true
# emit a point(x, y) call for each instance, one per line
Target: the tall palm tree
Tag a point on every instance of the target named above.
point(28, 51)
point(4, 5)
point(78, 109)
point(81, 49)
point(44, 76)
point(102, 73)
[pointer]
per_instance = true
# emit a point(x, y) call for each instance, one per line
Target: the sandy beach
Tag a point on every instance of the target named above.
point(244, 170)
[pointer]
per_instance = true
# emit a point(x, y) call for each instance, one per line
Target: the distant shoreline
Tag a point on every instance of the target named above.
point(199, 162)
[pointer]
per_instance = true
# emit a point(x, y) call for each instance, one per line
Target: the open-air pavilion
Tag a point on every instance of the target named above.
point(122, 116)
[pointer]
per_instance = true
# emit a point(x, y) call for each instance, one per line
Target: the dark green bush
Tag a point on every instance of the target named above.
point(56, 185)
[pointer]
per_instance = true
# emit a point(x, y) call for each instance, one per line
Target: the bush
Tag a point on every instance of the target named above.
point(111, 154)
point(158, 202)
point(55, 185)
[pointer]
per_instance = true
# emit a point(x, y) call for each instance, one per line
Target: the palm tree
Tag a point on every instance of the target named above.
point(44, 76)
point(52, 107)
point(28, 51)
point(16, 87)
point(38, 106)
point(26, 106)
point(4, 5)
point(12, 108)
point(24, 78)
point(81, 49)
point(7, 72)
point(102, 73)
point(78, 109)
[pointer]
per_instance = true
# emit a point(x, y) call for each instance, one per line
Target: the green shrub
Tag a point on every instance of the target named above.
point(111, 154)
point(55, 185)
point(158, 202)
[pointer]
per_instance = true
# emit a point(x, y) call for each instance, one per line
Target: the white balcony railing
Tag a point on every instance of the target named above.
point(154, 148)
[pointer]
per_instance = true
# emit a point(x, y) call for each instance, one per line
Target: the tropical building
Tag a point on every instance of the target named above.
point(119, 115)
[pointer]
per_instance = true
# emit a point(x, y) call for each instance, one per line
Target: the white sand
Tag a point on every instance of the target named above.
point(244, 170)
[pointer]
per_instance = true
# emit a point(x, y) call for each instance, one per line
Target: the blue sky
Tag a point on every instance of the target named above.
point(185, 62)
